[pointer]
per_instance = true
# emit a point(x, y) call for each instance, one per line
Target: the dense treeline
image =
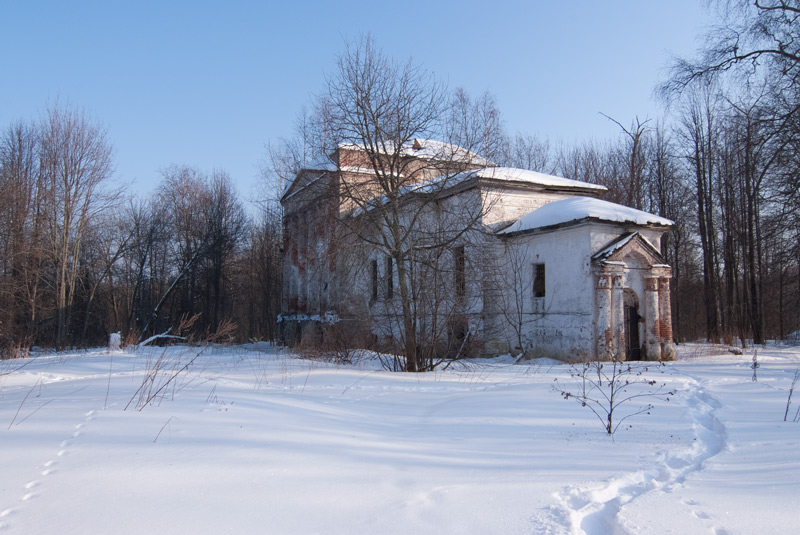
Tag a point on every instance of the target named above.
point(79, 259)
point(730, 186)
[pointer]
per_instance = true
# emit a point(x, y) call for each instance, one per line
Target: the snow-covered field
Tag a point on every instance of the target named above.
point(253, 440)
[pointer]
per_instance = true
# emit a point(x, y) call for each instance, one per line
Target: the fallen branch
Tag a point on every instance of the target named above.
point(155, 337)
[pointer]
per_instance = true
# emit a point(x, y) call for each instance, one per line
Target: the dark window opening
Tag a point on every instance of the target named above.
point(538, 280)
point(457, 336)
point(633, 350)
point(460, 271)
point(374, 280)
point(389, 278)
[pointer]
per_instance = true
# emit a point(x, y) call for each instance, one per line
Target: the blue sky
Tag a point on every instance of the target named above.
point(210, 83)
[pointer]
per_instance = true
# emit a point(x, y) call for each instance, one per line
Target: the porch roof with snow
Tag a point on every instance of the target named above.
point(617, 248)
point(577, 209)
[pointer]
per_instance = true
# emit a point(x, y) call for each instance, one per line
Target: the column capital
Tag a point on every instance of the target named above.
point(651, 284)
point(603, 282)
point(661, 270)
point(613, 268)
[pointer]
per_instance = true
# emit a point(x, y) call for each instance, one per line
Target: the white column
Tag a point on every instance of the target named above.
point(651, 319)
point(618, 317)
point(603, 331)
point(665, 319)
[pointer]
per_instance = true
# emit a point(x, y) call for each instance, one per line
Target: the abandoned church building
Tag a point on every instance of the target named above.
point(475, 259)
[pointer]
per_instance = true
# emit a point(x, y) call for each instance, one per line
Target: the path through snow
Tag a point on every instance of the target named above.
point(594, 509)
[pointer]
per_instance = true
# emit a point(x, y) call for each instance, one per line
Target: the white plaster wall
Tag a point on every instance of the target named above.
point(563, 327)
point(507, 205)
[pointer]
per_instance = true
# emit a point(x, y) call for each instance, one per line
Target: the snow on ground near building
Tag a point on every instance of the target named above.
point(251, 440)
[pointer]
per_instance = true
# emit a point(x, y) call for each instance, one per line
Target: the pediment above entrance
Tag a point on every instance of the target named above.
point(629, 248)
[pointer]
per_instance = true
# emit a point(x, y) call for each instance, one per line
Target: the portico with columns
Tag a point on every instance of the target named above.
point(632, 302)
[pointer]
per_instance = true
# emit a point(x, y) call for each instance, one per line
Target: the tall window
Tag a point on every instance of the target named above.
point(460, 265)
point(538, 280)
point(374, 273)
point(389, 278)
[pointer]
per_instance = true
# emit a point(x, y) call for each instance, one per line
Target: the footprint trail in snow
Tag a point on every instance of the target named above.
point(31, 489)
point(594, 509)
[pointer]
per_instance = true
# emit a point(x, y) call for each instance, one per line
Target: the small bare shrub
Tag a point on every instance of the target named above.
point(607, 388)
point(131, 338)
point(223, 334)
point(17, 350)
point(166, 375)
point(341, 342)
point(789, 398)
point(163, 378)
point(755, 366)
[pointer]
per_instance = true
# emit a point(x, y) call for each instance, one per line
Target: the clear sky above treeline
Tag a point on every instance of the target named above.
point(208, 84)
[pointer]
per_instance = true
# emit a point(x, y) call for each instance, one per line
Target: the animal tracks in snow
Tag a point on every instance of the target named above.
point(595, 509)
point(31, 490)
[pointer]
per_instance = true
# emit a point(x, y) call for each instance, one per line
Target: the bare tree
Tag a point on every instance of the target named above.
point(259, 276)
point(511, 287)
point(311, 140)
point(477, 123)
point(145, 263)
point(634, 160)
point(527, 151)
point(226, 228)
point(106, 242)
point(670, 195)
point(378, 111)
point(700, 133)
point(193, 234)
point(72, 269)
point(593, 163)
point(753, 36)
point(18, 252)
point(186, 199)
point(75, 163)
point(605, 387)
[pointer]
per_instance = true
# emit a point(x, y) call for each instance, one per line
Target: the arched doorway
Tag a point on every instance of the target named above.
point(633, 346)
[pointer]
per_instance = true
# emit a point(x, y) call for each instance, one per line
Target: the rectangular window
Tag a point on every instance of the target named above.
point(538, 280)
point(460, 265)
point(389, 278)
point(374, 272)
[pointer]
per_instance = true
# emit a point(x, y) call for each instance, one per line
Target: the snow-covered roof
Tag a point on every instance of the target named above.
point(578, 208)
point(321, 163)
point(287, 195)
point(615, 246)
point(418, 148)
point(513, 174)
point(506, 174)
point(429, 149)
point(651, 252)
